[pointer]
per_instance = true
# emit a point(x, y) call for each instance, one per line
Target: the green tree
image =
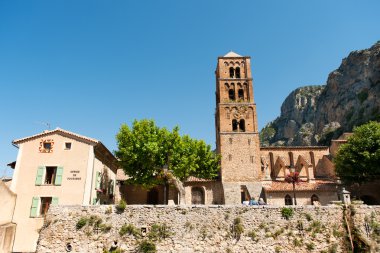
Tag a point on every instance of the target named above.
point(145, 149)
point(358, 160)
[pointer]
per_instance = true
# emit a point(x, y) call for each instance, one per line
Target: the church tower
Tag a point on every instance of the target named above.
point(237, 137)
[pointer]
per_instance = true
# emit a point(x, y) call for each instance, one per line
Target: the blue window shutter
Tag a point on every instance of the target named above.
point(54, 201)
point(33, 209)
point(58, 177)
point(40, 173)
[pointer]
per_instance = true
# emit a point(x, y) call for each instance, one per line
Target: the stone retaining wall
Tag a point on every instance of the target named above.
point(200, 229)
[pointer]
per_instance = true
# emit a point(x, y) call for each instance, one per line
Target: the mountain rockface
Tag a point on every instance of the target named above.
point(313, 115)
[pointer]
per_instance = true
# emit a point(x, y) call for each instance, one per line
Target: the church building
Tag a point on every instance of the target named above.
point(247, 170)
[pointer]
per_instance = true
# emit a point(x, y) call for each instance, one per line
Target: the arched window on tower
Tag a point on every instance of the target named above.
point(234, 125)
point(232, 72)
point(231, 94)
point(241, 94)
point(242, 125)
point(237, 72)
point(288, 200)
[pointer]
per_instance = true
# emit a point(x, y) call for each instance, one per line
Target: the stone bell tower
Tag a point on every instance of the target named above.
point(237, 137)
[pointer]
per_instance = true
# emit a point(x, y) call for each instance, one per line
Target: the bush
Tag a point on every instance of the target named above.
point(237, 228)
point(287, 212)
point(146, 246)
point(129, 229)
point(159, 232)
point(81, 222)
point(121, 206)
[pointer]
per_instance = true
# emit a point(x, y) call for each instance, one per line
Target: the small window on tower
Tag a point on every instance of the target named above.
point(231, 94)
point(234, 125)
point(242, 125)
point(229, 157)
point(230, 140)
point(232, 72)
point(241, 94)
point(237, 72)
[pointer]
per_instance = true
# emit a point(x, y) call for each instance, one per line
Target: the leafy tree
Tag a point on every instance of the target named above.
point(145, 149)
point(358, 160)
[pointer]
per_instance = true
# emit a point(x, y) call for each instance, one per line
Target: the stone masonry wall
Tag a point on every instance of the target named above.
point(199, 229)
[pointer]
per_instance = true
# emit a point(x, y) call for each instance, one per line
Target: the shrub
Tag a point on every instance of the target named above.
point(297, 242)
point(121, 206)
point(147, 246)
point(81, 222)
point(287, 212)
point(108, 210)
point(237, 228)
point(105, 227)
point(129, 229)
point(253, 235)
point(94, 220)
point(308, 217)
point(159, 232)
point(310, 246)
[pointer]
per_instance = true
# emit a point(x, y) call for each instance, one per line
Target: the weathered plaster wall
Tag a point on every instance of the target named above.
point(202, 228)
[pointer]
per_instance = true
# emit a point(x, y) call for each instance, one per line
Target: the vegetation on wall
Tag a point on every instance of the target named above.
point(359, 159)
point(145, 149)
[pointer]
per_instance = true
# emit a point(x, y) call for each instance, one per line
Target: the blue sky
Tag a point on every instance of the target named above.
point(89, 66)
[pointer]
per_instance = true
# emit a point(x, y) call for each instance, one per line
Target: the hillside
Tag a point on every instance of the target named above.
point(313, 115)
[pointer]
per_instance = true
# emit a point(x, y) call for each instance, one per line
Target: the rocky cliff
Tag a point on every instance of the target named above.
point(313, 115)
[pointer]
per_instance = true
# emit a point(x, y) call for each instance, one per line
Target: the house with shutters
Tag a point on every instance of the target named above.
point(57, 167)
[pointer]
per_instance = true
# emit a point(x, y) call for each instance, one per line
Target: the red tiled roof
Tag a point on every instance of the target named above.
point(317, 185)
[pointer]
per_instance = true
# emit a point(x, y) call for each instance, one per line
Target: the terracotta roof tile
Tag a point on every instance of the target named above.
point(317, 185)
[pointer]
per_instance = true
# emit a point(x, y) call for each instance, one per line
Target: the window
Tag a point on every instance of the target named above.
point(229, 157)
point(252, 160)
point(231, 94)
point(230, 140)
point(232, 72)
point(237, 72)
point(234, 125)
point(241, 94)
point(288, 200)
point(40, 205)
point(49, 175)
point(45, 204)
point(242, 125)
point(46, 146)
point(67, 145)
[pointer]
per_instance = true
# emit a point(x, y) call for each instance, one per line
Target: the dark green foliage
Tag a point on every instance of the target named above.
point(145, 149)
point(267, 133)
point(121, 206)
point(362, 96)
point(146, 246)
point(129, 229)
point(287, 212)
point(81, 222)
point(359, 159)
point(159, 232)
